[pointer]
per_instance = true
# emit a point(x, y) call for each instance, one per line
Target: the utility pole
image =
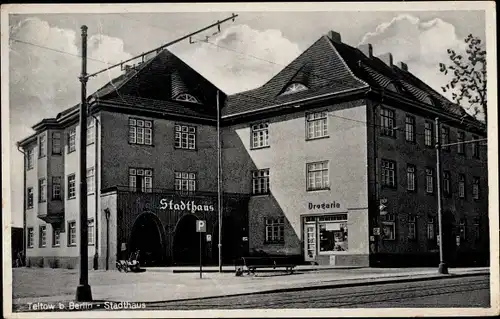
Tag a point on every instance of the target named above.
point(219, 190)
point(83, 291)
point(443, 268)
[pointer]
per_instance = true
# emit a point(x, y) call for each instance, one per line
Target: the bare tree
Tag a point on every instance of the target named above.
point(468, 82)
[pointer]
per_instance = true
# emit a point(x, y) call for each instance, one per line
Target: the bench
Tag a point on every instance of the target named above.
point(252, 263)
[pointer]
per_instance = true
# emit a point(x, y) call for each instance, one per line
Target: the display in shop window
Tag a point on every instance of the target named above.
point(333, 237)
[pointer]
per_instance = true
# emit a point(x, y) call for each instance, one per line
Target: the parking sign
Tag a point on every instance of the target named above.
point(201, 226)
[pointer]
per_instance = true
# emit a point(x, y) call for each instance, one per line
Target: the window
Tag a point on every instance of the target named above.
point(71, 186)
point(42, 146)
point(31, 237)
point(71, 140)
point(42, 190)
point(185, 181)
point(445, 137)
point(317, 176)
point(56, 237)
point(140, 131)
point(387, 122)
point(90, 130)
point(462, 228)
point(71, 233)
point(412, 227)
point(29, 196)
point(141, 180)
point(184, 97)
point(56, 188)
point(260, 135)
point(90, 180)
point(475, 148)
point(389, 230)
point(43, 236)
point(429, 180)
point(260, 182)
point(388, 173)
point(30, 158)
point(431, 234)
point(275, 230)
point(460, 145)
point(410, 177)
point(429, 134)
point(56, 143)
point(446, 183)
point(410, 128)
point(185, 137)
point(333, 233)
point(317, 125)
point(90, 231)
point(475, 188)
point(294, 88)
point(461, 186)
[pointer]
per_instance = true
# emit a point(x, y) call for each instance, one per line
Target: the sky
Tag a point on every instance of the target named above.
point(244, 55)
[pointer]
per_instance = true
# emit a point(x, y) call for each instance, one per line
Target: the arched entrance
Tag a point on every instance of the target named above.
point(148, 237)
point(186, 246)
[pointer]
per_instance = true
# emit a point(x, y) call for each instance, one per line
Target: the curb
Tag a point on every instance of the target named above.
point(180, 271)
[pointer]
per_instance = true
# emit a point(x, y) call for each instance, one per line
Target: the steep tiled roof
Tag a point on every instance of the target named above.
point(320, 66)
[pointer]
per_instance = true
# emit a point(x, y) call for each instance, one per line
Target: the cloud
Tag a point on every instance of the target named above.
point(44, 82)
point(420, 44)
point(241, 58)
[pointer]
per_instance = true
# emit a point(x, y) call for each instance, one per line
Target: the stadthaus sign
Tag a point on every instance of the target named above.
point(190, 206)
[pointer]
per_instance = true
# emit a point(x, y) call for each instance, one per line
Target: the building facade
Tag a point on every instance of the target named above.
point(331, 161)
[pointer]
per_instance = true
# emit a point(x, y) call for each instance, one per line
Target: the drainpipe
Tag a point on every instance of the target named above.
point(97, 194)
point(107, 213)
point(24, 206)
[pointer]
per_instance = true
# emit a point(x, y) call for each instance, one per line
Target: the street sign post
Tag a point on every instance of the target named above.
point(201, 227)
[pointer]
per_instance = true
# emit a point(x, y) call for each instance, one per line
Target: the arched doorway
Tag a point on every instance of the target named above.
point(148, 237)
point(186, 246)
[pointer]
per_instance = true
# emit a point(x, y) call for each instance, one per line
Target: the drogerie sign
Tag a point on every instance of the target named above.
point(333, 204)
point(191, 206)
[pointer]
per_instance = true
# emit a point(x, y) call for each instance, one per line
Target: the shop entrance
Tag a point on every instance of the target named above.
point(186, 246)
point(147, 236)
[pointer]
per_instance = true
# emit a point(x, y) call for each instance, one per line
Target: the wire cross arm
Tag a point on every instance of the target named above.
point(464, 142)
point(188, 36)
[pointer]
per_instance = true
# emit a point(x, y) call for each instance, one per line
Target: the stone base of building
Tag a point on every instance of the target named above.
point(431, 259)
point(361, 260)
point(65, 262)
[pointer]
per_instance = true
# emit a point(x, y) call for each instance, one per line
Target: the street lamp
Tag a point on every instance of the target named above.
point(443, 268)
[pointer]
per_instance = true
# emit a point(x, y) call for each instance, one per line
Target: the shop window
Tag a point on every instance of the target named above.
point(260, 135)
point(56, 143)
point(90, 231)
point(71, 233)
point(140, 131)
point(260, 182)
point(31, 237)
point(333, 236)
point(429, 134)
point(410, 128)
point(388, 122)
point(29, 196)
point(317, 176)
point(71, 140)
point(185, 137)
point(71, 186)
point(30, 158)
point(388, 173)
point(275, 230)
point(56, 237)
point(185, 182)
point(141, 180)
point(389, 227)
point(43, 236)
point(317, 125)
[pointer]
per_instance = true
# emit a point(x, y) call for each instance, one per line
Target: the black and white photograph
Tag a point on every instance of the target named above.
point(250, 159)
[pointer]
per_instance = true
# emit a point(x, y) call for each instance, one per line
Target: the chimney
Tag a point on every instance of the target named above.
point(403, 66)
point(334, 36)
point(367, 49)
point(386, 58)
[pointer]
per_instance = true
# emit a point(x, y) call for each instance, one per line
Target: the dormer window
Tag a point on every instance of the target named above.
point(294, 88)
point(184, 97)
point(428, 100)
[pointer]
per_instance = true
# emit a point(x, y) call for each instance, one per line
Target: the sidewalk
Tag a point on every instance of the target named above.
point(165, 285)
